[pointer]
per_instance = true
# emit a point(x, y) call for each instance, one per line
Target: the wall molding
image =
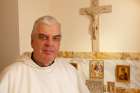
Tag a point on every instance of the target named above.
point(101, 55)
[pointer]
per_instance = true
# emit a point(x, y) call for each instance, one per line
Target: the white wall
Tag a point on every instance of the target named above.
point(9, 41)
point(119, 30)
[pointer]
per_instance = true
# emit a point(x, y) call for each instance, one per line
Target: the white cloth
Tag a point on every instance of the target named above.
point(28, 77)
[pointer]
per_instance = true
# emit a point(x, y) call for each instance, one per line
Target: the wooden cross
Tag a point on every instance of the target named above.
point(93, 13)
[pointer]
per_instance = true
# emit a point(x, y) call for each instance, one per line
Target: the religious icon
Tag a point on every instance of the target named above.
point(123, 73)
point(96, 69)
point(95, 86)
point(111, 87)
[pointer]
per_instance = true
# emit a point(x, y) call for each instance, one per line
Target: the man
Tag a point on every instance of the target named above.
point(42, 73)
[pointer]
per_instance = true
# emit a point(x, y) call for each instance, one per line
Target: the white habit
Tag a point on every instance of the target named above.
point(27, 77)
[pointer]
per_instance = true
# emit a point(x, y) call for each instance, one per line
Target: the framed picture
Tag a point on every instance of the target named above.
point(123, 73)
point(111, 87)
point(96, 69)
point(95, 86)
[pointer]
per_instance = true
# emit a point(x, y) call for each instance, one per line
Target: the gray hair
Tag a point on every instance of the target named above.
point(48, 20)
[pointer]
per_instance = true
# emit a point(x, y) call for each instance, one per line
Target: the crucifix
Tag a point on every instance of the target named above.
point(93, 13)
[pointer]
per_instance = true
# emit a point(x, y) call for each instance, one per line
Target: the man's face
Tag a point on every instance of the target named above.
point(46, 43)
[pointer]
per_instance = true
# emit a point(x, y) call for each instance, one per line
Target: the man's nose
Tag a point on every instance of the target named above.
point(49, 42)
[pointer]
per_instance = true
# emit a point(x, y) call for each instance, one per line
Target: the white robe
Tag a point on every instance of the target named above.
point(28, 77)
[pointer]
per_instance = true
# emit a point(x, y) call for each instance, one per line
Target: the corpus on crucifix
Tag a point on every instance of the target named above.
point(93, 13)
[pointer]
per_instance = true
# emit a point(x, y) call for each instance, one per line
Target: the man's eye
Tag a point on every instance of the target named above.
point(42, 37)
point(57, 38)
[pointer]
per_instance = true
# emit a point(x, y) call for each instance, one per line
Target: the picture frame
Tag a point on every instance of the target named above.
point(95, 86)
point(111, 87)
point(123, 73)
point(96, 69)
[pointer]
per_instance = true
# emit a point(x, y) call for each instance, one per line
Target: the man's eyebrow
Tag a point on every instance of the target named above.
point(57, 35)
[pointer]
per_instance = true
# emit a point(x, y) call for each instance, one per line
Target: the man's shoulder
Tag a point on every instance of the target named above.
point(65, 64)
point(16, 64)
point(13, 68)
